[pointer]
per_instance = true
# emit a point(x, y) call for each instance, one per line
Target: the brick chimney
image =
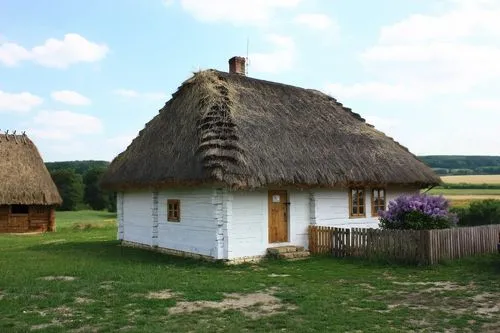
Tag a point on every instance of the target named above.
point(237, 65)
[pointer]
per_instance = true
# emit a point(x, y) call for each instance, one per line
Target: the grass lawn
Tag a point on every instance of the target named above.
point(80, 280)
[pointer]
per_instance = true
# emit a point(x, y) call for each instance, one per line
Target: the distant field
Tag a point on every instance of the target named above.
point(468, 192)
point(463, 197)
point(472, 179)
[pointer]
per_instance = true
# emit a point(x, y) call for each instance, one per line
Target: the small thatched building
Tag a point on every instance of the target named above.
point(233, 165)
point(27, 193)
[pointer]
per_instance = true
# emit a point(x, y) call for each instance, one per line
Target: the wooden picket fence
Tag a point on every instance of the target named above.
point(416, 246)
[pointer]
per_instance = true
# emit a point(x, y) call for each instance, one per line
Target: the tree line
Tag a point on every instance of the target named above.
point(78, 183)
point(463, 165)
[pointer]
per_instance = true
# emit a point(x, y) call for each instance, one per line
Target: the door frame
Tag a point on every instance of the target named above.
point(287, 212)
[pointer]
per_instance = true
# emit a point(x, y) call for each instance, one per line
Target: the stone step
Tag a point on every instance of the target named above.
point(274, 251)
point(294, 255)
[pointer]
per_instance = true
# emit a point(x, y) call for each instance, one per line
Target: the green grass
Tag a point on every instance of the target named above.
point(85, 217)
point(109, 292)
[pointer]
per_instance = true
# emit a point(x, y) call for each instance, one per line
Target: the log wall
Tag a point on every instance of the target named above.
point(39, 219)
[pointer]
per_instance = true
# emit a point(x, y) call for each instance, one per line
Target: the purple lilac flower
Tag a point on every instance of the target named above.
point(433, 206)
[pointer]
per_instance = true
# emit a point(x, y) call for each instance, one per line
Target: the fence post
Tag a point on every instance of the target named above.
point(425, 247)
point(311, 237)
point(348, 243)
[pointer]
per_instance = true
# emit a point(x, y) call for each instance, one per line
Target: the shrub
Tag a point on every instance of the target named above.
point(479, 213)
point(418, 212)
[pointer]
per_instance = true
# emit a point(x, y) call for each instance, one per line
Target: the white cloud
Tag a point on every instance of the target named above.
point(281, 59)
point(383, 124)
point(144, 95)
point(11, 54)
point(451, 52)
point(237, 12)
point(64, 125)
point(168, 3)
point(316, 21)
point(71, 150)
point(372, 90)
point(119, 143)
point(95, 147)
point(21, 102)
point(465, 19)
point(70, 97)
point(483, 104)
point(452, 132)
point(55, 53)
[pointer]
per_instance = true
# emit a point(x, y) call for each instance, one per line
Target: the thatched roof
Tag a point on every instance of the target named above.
point(24, 179)
point(246, 133)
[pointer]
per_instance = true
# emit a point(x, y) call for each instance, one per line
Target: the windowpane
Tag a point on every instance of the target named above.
point(173, 210)
point(357, 202)
point(378, 200)
point(19, 209)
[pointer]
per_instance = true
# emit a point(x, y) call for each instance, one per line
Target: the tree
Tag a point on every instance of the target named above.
point(70, 187)
point(112, 202)
point(94, 195)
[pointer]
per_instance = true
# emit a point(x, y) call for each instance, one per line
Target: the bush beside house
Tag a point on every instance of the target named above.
point(418, 212)
point(479, 213)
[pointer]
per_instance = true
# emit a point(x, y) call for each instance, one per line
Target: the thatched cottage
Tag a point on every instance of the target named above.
point(27, 193)
point(233, 165)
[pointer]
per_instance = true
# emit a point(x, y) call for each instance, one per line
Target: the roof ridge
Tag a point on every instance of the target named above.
point(218, 145)
point(18, 138)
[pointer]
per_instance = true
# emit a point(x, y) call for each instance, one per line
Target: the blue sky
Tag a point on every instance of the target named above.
point(82, 77)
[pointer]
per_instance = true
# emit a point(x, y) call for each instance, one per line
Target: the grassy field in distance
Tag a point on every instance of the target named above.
point(472, 193)
point(472, 179)
point(462, 197)
point(79, 279)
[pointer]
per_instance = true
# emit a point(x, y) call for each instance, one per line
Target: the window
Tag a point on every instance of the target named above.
point(173, 210)
point(378, 200)
point(19, 209)
point(357, 202)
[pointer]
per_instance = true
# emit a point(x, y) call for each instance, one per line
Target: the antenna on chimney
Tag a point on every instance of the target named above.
point(247, 61)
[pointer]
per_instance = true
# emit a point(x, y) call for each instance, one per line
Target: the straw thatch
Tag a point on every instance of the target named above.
point(246, 133)
point(24, 179)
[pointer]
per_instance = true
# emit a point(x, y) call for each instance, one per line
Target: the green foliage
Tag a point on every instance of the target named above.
point(70, 186)
point(463, 165)
point(93, 195)
point(80, 167)
point(489, 170)
point(416, 220)
point(479, 213)
point(441, 171)
point(462, 172)
point(111, 202)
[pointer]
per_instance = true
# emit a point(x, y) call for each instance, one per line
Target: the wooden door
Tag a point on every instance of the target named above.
point(278, 216)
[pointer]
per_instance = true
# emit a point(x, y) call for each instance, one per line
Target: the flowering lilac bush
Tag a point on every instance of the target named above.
point(418, 212)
